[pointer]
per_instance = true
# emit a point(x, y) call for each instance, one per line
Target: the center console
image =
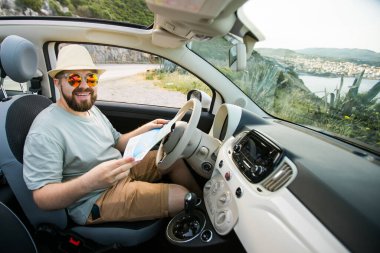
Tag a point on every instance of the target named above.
point(250, 163)
point(192, 227)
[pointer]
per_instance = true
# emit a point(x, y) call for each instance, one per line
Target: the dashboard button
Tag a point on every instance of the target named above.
point(208, 185)
point(238, 192)
point(227, 176)
point(203, 152)
point(224, 199)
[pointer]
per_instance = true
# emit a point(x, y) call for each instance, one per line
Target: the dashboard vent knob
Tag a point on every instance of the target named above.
point(237, 148)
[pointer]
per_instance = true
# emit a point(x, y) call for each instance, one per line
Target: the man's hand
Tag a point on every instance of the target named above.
point(107, 173)
point(157, 123)
point(61, 195)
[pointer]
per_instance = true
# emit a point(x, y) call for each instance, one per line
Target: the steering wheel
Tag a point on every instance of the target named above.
point(174, 144)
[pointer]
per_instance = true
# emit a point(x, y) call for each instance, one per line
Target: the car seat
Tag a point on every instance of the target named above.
point(14, 236)
point(19, 61)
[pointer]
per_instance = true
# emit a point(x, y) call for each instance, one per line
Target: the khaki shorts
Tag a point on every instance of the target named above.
point(135, 197)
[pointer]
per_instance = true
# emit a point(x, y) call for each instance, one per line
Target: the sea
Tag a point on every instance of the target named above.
point(317, 84)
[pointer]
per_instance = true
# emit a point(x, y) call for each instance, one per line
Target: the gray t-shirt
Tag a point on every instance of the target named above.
point(61, 146)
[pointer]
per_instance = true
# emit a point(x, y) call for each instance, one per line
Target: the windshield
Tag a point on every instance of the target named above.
point(133, 12)
point(318, 67)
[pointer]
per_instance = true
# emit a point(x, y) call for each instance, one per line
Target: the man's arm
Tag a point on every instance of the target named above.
point(61, 195)
point(122, 142)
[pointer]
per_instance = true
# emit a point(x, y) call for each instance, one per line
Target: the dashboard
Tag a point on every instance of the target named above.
point(281, 187)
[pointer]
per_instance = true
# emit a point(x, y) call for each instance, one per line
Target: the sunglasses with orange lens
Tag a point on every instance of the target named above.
point(75, 79)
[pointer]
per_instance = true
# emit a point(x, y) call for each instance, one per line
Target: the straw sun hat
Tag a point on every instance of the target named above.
point(74, 57)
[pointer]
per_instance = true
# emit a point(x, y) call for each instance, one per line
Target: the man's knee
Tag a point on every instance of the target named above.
point(176, 198)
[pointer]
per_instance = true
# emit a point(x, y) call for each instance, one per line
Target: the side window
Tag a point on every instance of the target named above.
point(137, 77)
point(10, 85)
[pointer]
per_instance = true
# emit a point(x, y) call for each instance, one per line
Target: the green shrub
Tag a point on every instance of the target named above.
point(32, 4)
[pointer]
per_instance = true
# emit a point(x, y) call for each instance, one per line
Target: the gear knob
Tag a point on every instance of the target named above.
point(190, 202)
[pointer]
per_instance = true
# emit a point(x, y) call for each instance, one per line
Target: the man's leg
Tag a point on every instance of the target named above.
point(136, 200)
point(182, 179)
point(180, 174)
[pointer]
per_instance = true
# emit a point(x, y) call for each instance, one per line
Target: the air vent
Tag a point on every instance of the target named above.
point(279, 179)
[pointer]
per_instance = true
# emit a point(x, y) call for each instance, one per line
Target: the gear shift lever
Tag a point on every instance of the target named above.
point(190, 202)
point(189, 224)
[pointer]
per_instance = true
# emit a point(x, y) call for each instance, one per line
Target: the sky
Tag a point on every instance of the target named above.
point(298, 24)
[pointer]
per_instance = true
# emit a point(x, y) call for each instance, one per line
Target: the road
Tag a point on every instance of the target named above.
point(119, 71)
point(125, 83)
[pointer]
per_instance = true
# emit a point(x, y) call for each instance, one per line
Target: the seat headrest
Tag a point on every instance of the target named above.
point(18, 58)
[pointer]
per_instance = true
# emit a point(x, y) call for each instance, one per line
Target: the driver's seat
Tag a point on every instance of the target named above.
point(17, 114)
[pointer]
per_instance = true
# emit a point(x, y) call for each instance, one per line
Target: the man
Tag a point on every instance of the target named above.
point(72, 156)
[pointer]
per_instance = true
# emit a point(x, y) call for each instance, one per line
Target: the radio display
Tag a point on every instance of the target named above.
point(256, 156)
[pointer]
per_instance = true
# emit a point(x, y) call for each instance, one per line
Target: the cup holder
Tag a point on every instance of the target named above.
point(185, 227)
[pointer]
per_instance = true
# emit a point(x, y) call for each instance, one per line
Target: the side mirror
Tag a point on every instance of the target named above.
point(201, 96)
point(238, 57)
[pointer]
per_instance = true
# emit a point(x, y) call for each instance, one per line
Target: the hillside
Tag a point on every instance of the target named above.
point(135, 11)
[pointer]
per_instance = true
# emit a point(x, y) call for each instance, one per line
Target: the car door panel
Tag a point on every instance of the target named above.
point(127, 117)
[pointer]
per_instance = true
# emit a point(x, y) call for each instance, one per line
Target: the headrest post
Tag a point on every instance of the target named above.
point(2, 88)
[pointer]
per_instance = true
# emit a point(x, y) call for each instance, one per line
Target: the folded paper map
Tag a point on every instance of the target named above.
point(138, 146)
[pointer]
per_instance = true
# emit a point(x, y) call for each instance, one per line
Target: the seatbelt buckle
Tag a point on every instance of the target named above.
point(74, 242)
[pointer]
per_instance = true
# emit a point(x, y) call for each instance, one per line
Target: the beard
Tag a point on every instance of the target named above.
point(82, 106)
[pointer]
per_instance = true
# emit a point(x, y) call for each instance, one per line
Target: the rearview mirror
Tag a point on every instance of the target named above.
point(238, 57)
point(246, 30)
